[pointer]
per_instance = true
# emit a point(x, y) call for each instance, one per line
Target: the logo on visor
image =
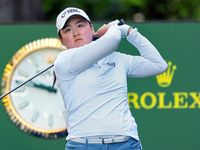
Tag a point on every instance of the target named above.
point(70, 11)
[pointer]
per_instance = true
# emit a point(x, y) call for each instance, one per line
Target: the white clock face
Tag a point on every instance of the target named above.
point(34, 102)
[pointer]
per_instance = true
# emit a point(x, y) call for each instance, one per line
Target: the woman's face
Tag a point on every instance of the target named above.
point(77, 32)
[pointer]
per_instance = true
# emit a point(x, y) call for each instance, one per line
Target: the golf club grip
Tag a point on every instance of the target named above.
point(121, 22)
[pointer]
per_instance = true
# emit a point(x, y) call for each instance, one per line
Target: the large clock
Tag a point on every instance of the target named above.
point(34, 107)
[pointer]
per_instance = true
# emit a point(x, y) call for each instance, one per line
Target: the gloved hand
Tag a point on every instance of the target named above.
point(124, 30)
point(112, 23)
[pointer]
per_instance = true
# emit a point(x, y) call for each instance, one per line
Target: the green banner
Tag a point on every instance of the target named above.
point(166, 107)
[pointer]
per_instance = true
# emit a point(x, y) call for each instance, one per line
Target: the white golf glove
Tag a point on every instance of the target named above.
point(112, 23)
point(124, 30)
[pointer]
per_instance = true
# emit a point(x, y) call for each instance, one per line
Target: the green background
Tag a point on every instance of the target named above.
point(159, 129)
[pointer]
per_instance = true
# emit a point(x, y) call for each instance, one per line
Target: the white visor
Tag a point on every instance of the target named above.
point(66, 14)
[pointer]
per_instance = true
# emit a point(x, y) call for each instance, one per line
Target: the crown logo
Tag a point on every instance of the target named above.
point(49, 57)
point(165, 79)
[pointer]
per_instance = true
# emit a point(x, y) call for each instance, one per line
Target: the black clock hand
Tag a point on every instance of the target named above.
point(38, 85)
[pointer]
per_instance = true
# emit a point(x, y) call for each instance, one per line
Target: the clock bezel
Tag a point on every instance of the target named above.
point(40, 44)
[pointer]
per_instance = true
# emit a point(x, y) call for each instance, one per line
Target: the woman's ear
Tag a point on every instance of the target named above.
point(92, 27)
point(61, 40)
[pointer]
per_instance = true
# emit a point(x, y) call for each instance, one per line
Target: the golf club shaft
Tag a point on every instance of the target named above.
point(26, 81)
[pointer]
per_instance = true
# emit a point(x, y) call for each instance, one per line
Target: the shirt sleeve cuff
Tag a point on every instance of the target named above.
point(132, 34)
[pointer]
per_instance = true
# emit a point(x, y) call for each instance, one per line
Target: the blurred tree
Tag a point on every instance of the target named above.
point(137, 10)
point(21, 10)
point(173, 9)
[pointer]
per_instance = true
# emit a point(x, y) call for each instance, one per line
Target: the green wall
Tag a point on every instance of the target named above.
point(167, 117)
